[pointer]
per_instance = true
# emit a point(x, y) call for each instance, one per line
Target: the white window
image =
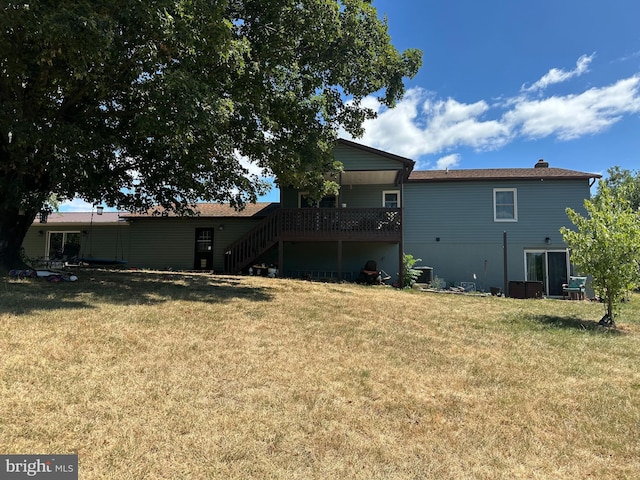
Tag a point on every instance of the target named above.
point(391, 199)
point(505, 205)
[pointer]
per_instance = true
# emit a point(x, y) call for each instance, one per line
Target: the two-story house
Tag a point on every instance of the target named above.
point(480, 226)
point(484, 226)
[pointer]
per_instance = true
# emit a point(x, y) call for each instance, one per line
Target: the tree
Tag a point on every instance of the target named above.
point(137, 104)
point(625, 183)
point(606, 245)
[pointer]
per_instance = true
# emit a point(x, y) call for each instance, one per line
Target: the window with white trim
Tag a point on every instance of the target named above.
point(505, 205)
point(391, 199)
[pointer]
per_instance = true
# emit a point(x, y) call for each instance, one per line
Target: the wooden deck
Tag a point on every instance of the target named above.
point(314, 225)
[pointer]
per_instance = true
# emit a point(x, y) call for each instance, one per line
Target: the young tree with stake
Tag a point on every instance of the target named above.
point(606, 245)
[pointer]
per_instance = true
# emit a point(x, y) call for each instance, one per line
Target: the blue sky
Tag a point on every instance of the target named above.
point(505, 83)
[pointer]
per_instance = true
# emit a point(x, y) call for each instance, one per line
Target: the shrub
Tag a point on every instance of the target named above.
point(410, 274)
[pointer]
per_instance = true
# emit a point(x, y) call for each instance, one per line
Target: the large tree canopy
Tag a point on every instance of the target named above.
point(141, 103)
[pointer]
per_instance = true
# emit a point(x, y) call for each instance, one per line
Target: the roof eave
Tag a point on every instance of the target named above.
point(505, 178)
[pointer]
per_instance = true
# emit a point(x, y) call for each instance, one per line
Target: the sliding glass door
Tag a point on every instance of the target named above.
point(551, 267)
point(61, 244)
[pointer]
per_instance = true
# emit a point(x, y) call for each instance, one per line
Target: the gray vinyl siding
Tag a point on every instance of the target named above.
point(146, 243)
point(162, 243)
point(34, 243)
point(98, 241)
point(356, 159)
point(365, 196)
point(460, 215)
point(356, 196)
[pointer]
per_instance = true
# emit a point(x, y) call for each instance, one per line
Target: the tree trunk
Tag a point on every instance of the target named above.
point(612, 321)
point(14, 225)
point(607, 320)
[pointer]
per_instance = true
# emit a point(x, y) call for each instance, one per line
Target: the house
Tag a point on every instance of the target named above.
point(462, 223)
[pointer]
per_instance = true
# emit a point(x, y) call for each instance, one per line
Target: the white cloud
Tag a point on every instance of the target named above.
point(556, 75)
point(422, 124)
point(250, 166)
point(448, 161)
point(396, 130)
point(576, 115)
point(75, 205)
point(79, 205)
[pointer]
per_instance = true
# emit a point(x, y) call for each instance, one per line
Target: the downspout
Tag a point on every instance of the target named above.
point(505, 286)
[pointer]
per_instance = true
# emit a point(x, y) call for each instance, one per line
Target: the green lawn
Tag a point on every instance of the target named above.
point(162, 375)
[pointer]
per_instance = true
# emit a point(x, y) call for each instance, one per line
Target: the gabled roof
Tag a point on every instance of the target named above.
point(546, 173)
point(407, 162)
point(217, 210)
point(396, 173)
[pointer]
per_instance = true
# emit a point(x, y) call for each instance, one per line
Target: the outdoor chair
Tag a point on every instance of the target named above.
point(575, 288)
point(371, 275)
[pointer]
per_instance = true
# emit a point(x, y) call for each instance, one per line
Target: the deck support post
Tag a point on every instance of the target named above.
point(280, 256)
point(339, 260)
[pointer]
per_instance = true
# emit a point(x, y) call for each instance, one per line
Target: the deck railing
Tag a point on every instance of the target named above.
point(337, 223)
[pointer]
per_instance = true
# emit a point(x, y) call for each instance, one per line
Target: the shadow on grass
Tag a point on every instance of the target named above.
point(123, 287)
point(574, 323)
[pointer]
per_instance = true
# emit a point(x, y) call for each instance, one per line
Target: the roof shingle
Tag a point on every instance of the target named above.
point(498, 174)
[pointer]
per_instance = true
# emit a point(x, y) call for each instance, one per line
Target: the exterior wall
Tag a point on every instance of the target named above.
point(363, 196)
point(460, 215)
point(320, 259)
point(155, 243)
point(356, 196)
point(96, 241)
point(162, 243)
point(357, 159)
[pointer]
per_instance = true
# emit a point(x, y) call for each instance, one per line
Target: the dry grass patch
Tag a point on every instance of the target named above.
point(158, 375)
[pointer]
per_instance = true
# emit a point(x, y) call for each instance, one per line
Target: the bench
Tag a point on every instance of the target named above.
point(575, 288)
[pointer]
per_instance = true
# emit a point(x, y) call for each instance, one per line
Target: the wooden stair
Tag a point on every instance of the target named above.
point(246, 250)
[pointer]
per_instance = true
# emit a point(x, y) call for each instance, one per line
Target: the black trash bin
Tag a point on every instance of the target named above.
point(529, 289)
point(533, 289)
point(516, 289)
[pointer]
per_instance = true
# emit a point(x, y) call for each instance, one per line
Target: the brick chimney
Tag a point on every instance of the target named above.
point(541, 164)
